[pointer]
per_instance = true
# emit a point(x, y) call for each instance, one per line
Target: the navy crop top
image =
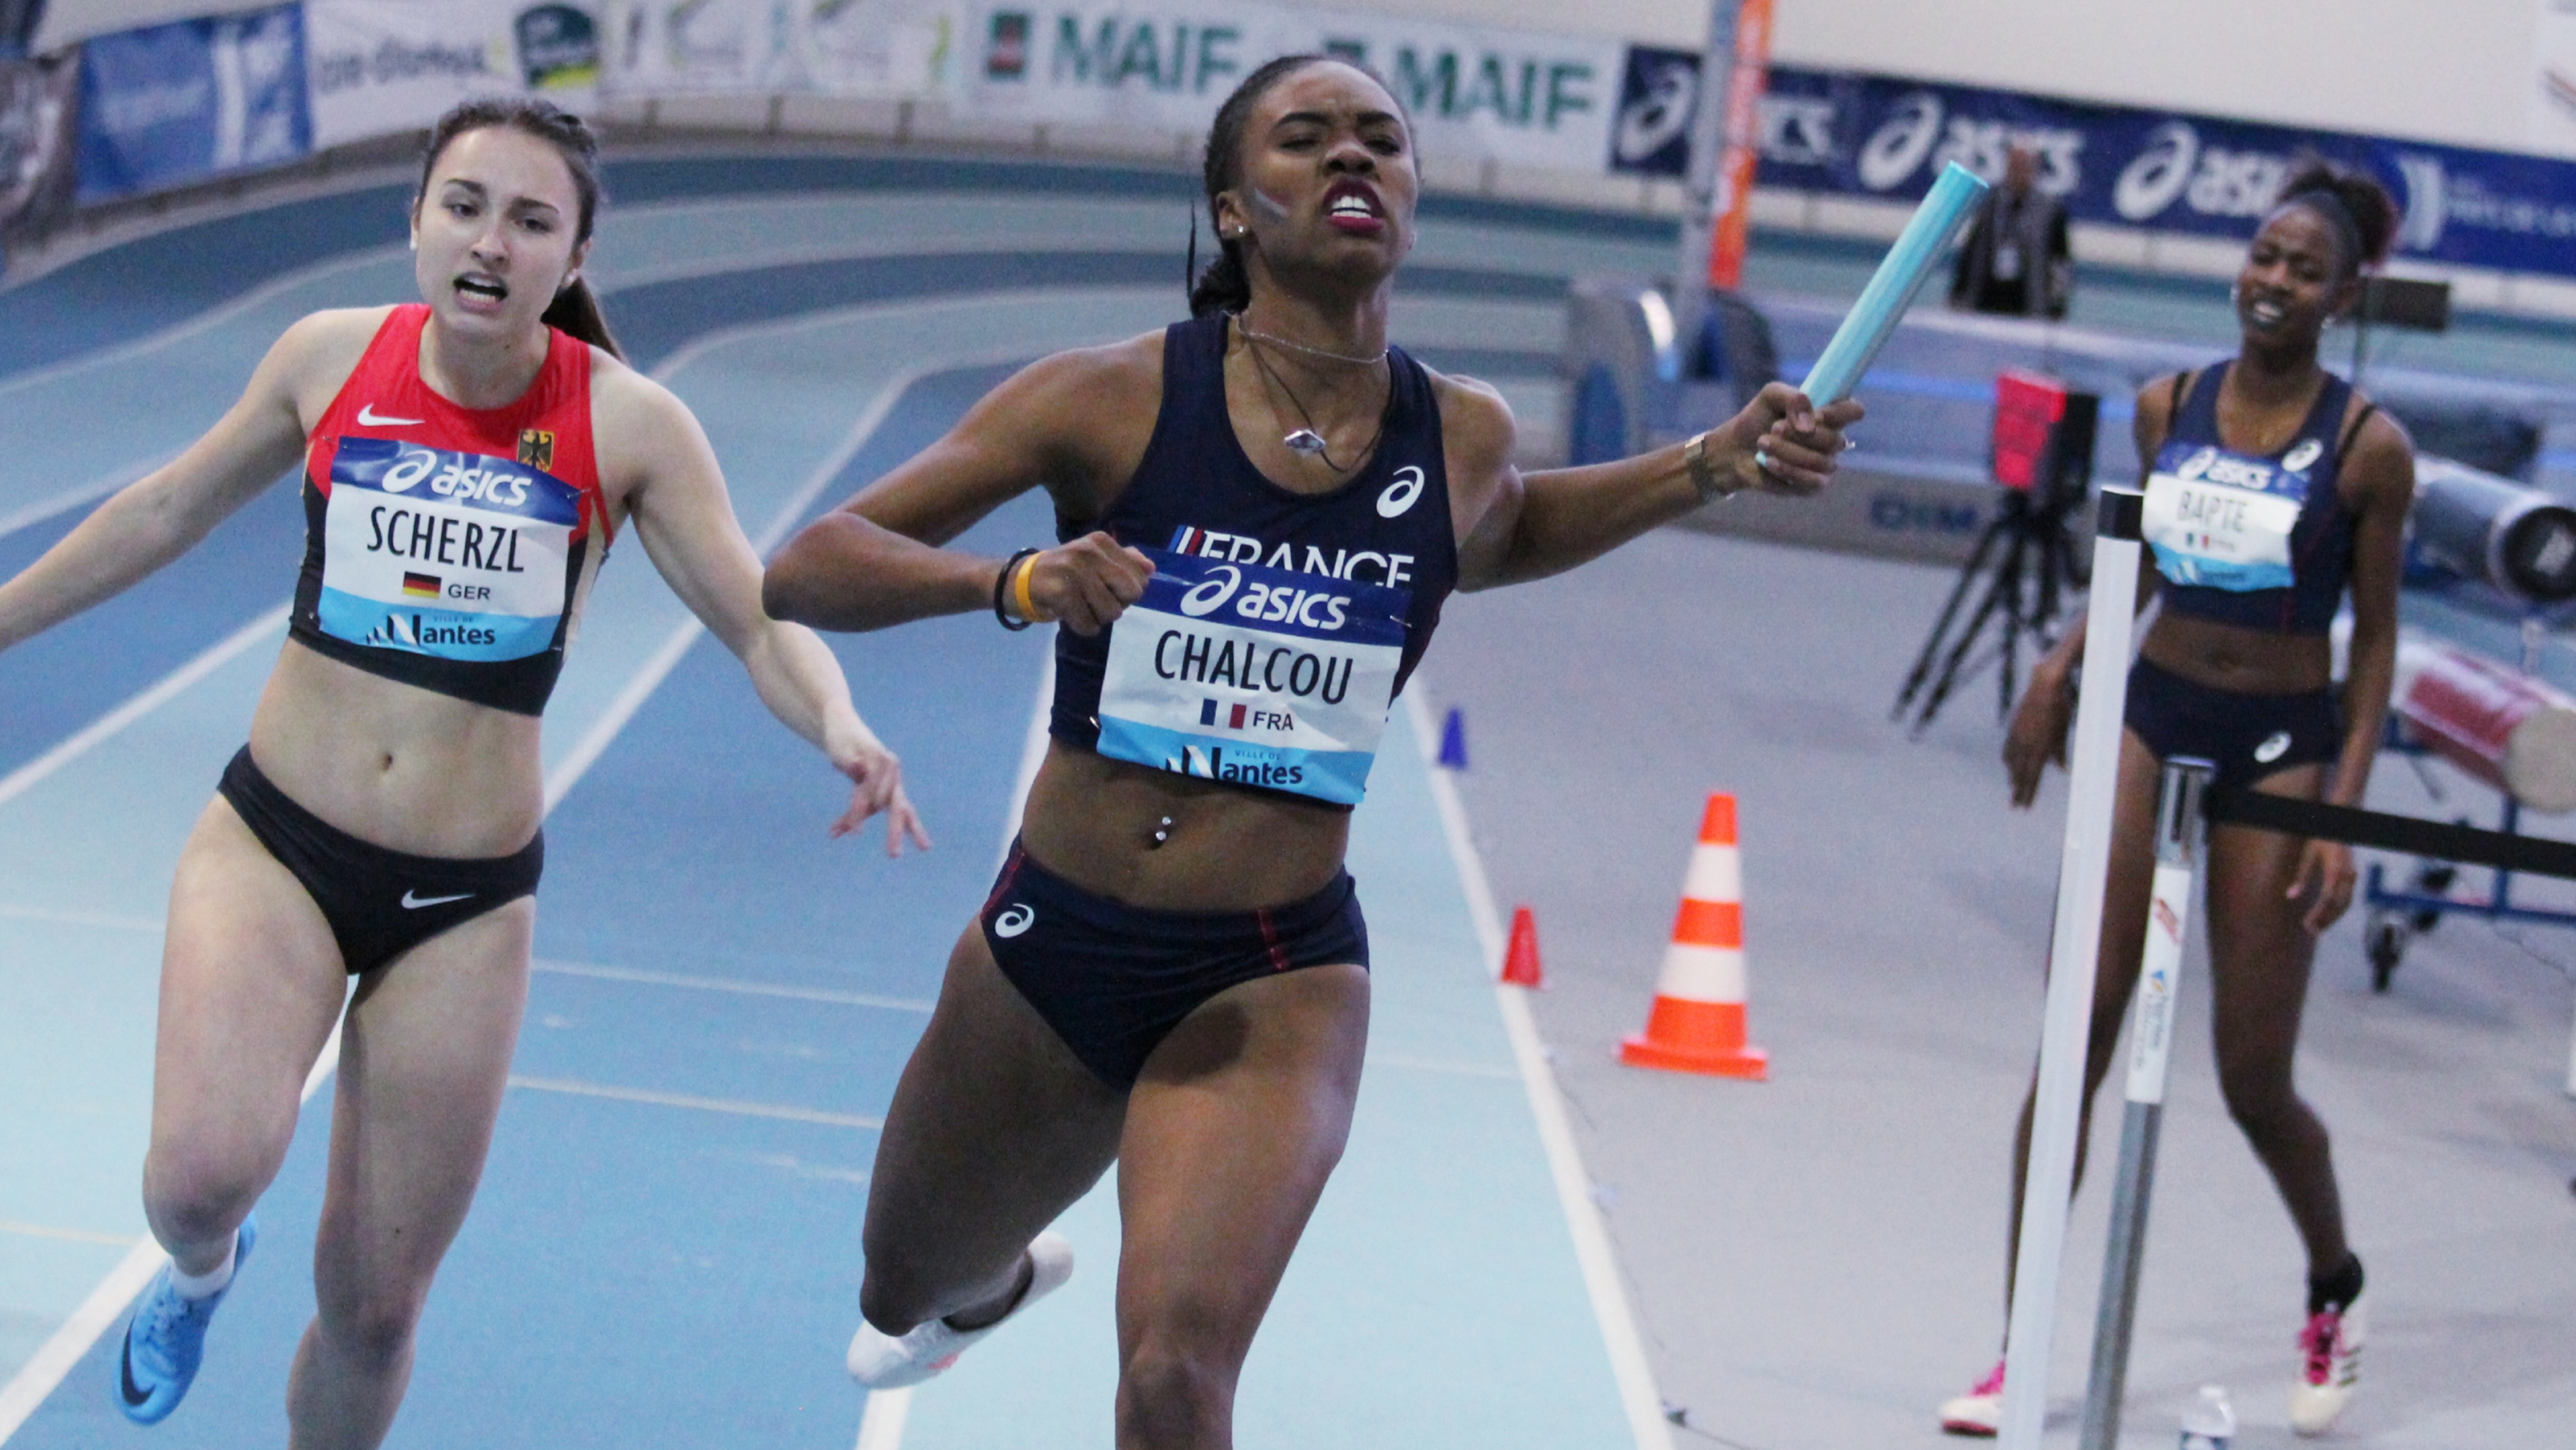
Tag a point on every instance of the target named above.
point(1354, 578)
point(2260, 542)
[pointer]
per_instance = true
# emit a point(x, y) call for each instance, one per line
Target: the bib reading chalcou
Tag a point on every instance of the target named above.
point(457, 555)
point(2222, 520)
point(1254, 675)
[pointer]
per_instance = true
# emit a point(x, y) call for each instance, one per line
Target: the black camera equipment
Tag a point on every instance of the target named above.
point(2043, 458)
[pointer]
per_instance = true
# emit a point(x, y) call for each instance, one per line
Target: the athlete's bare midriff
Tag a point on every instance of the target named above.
point(396, 765)
point(1091, 820)
point(2245, 661)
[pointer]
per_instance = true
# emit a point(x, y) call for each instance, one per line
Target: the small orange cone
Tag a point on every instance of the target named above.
point(1697, 1024)
point(1520, 959)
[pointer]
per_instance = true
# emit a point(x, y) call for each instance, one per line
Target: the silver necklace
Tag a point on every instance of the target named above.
point(1307, 440)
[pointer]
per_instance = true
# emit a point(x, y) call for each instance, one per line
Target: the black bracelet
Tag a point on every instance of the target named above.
point(1001, 584)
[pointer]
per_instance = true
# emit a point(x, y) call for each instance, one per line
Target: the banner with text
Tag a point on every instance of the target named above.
point(380, 66)
point(1880, 136)
point(179, 103)
point(37, 102)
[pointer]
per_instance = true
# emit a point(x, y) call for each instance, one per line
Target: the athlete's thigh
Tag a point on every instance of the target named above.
point(424, 1060)
point(2259, 952)
point(995, 1128)
point(1237, 1122)
point(251, 982)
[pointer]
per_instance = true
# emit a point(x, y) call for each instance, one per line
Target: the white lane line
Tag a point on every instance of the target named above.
point(203, 322)
point(67, 1235)
point(1592, 1248)
point(170, 686)
point(1404, 1063)
point(732, 984)
point(881, 1422)
point(658, 667)
point(20, 1397)
point(71, 498)
point(686, 1100)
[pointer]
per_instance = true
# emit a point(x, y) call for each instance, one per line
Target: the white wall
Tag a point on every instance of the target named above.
point(2437, 70)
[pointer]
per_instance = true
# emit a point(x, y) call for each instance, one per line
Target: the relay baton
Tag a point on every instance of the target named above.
point(1891, 290)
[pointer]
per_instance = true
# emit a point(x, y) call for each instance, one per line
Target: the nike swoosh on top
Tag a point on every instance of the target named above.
point(368, 415)
point(415, 903)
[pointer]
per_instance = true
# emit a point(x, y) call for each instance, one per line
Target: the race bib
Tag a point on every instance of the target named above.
point(458, 555)
point(1254, 675)
point(2221, 520)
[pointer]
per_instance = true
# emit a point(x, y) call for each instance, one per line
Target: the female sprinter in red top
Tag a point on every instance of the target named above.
point(466, 462)
point(1172, 971)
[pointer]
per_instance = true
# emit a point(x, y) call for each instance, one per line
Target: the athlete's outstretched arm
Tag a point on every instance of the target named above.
point(162, 515)
point(1061, 422)
point(684, 517)
point(1514, 527)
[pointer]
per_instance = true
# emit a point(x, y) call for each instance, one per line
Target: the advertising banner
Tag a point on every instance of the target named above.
point(882, 49)
point(1517, 96)
point(664, 47)
point(179, 103)
point(380, 66)
point(1879, 136)
point(2552, 97)
point(37, 99)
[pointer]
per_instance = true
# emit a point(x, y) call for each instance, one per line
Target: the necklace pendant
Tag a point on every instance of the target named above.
point(1305, 440)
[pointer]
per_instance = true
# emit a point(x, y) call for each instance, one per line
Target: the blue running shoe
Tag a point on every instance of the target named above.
point(166, 1339)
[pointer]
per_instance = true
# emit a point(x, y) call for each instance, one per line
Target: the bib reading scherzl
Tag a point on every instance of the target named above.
point(1255, 675)
point(456, 555)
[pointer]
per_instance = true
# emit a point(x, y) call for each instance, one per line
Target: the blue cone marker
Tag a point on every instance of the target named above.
point(1453, 740)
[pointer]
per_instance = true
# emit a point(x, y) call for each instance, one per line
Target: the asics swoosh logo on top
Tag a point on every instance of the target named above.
point(368, 415)
point(415, 903)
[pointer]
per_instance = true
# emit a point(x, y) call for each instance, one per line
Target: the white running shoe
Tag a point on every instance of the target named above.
point(2329, 1363)
point(883, 1361)
point(1978, 1412)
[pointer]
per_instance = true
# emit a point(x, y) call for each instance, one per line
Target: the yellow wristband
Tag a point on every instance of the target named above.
point(1020, 592)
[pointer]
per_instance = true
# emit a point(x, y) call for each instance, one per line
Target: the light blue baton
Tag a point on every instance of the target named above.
point(1891, 290)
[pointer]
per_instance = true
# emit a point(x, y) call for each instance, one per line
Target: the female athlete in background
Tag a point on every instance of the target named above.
point(2272, 488)
point(466, 463)
point(1172, 970)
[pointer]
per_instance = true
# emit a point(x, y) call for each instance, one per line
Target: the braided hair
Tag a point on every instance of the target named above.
point(574, 311)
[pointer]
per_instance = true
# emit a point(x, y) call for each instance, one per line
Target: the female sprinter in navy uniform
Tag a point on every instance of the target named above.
point(466, 463)
point(1269, 504)
point(2272, 488)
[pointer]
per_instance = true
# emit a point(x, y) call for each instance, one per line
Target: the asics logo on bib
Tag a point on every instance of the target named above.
point(1014, 920)
point(1360, 566)
point(1400, 494)
point(1205, 596)
point(2219, 468)
point(460, 480)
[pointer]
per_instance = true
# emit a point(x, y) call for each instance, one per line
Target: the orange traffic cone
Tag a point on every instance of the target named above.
point(1520, 959)
point(1698, 1020)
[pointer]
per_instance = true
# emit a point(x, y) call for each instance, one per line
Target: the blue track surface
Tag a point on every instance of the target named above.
point(664, 1249)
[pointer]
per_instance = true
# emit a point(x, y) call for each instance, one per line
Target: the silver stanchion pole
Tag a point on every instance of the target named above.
point(2093, 788)
point(2150, 1046)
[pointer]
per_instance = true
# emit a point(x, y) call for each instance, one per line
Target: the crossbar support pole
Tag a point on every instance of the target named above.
point(2150, 1049)
point(2092, 792)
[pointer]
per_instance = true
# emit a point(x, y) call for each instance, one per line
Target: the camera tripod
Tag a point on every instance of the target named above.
point(2035, 534)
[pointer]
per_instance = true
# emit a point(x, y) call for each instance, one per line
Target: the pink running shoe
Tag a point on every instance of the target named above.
point(1978, 1412)
point(2329, 1363)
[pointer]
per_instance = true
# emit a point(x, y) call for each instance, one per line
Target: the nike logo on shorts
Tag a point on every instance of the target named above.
point(368, 415)
point(414, 903)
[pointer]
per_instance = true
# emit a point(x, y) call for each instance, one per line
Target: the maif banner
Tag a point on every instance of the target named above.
point(380, 66)
point(1518, 96)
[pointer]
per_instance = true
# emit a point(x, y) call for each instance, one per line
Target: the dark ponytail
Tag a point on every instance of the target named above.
point(1226, 286)
point(2360, 212)
point(574, 311)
